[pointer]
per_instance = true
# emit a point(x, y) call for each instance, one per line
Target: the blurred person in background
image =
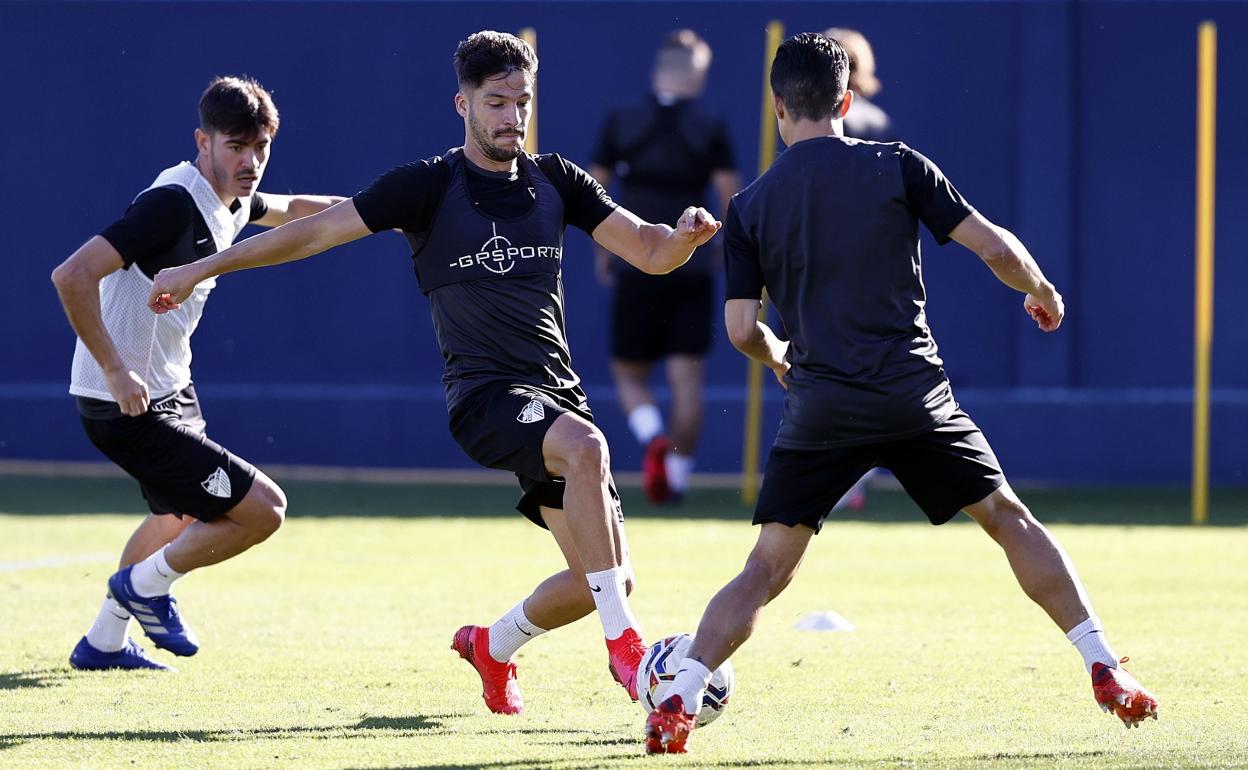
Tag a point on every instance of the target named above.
point(662, 154)
point(132, 372)
point(866, 120)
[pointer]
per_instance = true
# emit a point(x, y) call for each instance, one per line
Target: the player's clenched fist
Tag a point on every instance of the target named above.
point(171, 287)
point(697, 225)
point(1047, 312)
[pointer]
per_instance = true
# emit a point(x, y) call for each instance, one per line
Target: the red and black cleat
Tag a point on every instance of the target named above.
point(625, 654)
point(654, 470)
point(1116, 690)
point(668, 727)
point(498, 680)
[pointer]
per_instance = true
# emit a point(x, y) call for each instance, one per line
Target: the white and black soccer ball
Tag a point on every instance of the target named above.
point(659, 666)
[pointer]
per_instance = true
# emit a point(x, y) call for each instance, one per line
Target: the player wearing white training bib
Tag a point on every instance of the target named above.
point(132, 372)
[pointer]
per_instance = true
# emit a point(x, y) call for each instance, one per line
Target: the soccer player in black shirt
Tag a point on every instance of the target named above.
point(831, 231)
point(132, 373)
point(664, 153)
point(485, 225)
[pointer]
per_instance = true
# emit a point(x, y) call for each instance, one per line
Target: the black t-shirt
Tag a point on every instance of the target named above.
point(831, 231)
point(487, 249)
point(163, 228)
point(663, 156)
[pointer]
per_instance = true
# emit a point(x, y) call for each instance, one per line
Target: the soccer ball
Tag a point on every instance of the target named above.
point(659, 666)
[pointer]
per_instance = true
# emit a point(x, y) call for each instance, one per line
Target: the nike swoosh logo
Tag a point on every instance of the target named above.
point(518, 628)
point(201, 241)
point(596, 589)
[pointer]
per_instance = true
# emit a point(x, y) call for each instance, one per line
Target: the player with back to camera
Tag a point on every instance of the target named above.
point(665, 152)
point(485, 225)
point(831, 232)
point(132, 376)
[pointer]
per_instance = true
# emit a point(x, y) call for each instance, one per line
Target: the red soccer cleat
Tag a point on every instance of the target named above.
point(625, 658)
point(654, 470)
point(498, 680)
point(668, 727)
point(1115, 689)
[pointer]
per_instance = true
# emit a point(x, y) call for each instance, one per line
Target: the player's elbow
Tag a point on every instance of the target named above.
point(66, 275)
point(742, 335)
point(996, 251)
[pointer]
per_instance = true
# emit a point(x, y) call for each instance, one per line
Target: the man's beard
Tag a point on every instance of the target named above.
point(487, 146)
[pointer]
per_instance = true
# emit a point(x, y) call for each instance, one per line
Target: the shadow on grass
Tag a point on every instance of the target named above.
point(34, 496)
point(394, 727)
point(21, 680)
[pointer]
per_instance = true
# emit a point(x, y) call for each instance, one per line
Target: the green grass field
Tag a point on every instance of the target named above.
point(327, 647)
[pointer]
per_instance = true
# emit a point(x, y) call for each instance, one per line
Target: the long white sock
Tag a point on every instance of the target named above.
point(679, 468)
point(611, 600)
point(511, 632)
point(690, 684)
point(1089, 639)
point(646, 422)
point(153, 576)
point(108, 632)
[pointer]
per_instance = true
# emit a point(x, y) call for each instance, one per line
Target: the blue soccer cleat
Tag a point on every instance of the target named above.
point(158, 615)
point(87, 658)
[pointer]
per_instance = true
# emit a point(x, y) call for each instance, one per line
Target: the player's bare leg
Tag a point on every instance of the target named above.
point(143, 588)
point(1048, 576)
point(685, 378)
point(154, 533)
point(727, 623)
point(576, 451)
point(560, 599)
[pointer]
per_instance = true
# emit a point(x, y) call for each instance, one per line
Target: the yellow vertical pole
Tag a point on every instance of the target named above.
point(529, 35)
point(1206, 115)
point(754, 396)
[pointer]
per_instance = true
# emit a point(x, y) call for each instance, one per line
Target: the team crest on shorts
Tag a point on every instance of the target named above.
point(534, 411)
point(217, 484)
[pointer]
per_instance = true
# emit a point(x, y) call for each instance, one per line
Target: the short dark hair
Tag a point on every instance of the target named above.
point(237, 107)
point(810, 75)
point(487, 54)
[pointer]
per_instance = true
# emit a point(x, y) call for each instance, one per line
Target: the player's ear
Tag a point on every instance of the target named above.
point(203, 141)
point(779, 105)
point(848, 100)
point(461, 103)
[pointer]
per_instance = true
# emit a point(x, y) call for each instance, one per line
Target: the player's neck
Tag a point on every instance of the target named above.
point(814, 129)
point(477, 158)
point(224, 195)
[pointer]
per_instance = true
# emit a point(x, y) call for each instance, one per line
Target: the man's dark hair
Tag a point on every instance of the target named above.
point(488, 54)
point(810, 75)
point(237, 107)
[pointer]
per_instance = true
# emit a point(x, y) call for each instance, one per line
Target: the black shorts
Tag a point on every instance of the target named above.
point(943, 470)
point(654, 316)
point(502, 425)
point(179, 469)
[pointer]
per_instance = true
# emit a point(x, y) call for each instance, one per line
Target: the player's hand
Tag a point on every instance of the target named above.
point(696, 226)
point(171, 288)
point(1047, 312)
point(129, 391)
point(781, 371)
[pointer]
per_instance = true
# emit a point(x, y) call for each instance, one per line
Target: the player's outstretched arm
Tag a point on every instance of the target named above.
point(655, 249)
point(299, 239)
point(1013, 265)
point(755, 338)
point(287, 208)
point(77, 281)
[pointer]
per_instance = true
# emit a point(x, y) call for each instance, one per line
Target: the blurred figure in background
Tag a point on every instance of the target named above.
point(664, 152)
point(865, 119)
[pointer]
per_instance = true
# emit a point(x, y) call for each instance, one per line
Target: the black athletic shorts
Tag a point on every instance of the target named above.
point(943, 470)
point(502, 425)
point(179, 469)
point(654, 316)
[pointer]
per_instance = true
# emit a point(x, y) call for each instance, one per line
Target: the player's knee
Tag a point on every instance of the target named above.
point(768, 576)
point(269, 511)
point(1002, 515)
point(589, 454)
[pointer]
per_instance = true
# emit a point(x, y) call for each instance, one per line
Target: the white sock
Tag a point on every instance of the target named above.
point(153, 576)
point(1089, 639)
point(510, 632)
point(646, 422)
point(690, 684)
point(679, 468)
point(612, 602)
point(108, 632)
